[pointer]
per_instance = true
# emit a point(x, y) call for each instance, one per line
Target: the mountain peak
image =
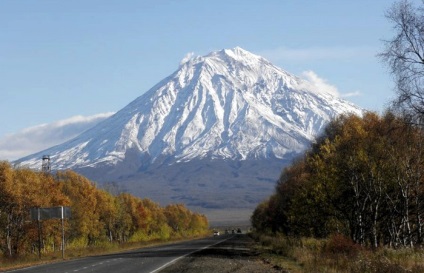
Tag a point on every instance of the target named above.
point(237, 53)
point(235, 105)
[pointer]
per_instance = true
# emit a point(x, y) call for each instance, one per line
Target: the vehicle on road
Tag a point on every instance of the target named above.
point(216, 233)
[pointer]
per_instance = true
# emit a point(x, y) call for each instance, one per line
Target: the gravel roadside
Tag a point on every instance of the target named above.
point(232, 255)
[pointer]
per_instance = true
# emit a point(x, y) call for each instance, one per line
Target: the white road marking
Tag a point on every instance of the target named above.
point(185, 255)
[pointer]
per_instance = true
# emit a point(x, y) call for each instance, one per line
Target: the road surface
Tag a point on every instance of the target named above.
point(145, 260)
point(235, 255)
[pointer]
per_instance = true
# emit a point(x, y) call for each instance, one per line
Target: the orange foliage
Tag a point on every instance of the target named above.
point(96, 215)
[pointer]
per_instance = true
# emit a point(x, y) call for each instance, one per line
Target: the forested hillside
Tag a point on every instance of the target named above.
point(97, 216)
point(363, 178)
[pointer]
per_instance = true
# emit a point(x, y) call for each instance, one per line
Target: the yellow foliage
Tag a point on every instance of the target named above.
point(97, 216)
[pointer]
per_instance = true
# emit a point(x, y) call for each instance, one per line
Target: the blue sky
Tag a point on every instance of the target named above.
point(61, 59)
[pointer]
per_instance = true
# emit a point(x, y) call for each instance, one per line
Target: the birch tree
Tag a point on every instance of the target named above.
point(404, 55)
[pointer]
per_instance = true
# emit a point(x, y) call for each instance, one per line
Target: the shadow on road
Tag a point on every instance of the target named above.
point(223, 246)
point(238, 246)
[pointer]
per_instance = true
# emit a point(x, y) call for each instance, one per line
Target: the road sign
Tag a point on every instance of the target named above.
point(38, 214)
point(50, 213)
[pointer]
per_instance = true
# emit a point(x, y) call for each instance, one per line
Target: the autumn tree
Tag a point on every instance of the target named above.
point(107, 213)
point(182, 221)
point(96, 215)
point(20, 190)
point(7, 204)
point(85, 223)
point(361, 178)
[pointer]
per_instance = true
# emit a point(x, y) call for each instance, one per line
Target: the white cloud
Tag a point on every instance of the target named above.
point(351, 94)
point(317, 53)
point(43, 136)
point(317, 84)
point(320, 85)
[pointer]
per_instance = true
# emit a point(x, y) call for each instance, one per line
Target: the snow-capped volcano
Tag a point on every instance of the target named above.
point(229, 104)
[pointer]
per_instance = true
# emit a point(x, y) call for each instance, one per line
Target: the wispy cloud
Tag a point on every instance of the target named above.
point(351, 94)
point(317, 84)
point(317, 53)
point(43, 136)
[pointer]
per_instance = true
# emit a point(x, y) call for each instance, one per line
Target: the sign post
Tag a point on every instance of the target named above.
point(39, 234)
point(63, 232)
point(50, 213)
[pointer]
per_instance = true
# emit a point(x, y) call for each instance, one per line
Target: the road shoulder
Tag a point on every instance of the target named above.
point(233, 255)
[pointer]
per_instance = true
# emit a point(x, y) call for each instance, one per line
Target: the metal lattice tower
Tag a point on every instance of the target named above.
point(45, 165)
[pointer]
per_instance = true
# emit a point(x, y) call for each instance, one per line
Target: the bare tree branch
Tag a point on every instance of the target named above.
point(404, 55)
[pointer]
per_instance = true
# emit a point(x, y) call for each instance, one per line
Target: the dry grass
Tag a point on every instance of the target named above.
point(337, 254)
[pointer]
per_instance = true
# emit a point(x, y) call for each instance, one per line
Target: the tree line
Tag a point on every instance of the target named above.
point(97, 216)
point(362, 178)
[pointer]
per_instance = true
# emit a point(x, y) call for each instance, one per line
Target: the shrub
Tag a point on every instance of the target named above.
point(339, 244)
point(139, 236)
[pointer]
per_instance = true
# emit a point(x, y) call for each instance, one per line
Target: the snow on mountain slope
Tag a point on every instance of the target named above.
point(229, 104)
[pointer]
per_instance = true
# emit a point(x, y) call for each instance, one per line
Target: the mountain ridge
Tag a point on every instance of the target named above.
point(214, 135)
point(229, 104)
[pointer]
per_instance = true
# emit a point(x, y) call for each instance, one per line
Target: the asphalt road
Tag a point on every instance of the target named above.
point(145, 260)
